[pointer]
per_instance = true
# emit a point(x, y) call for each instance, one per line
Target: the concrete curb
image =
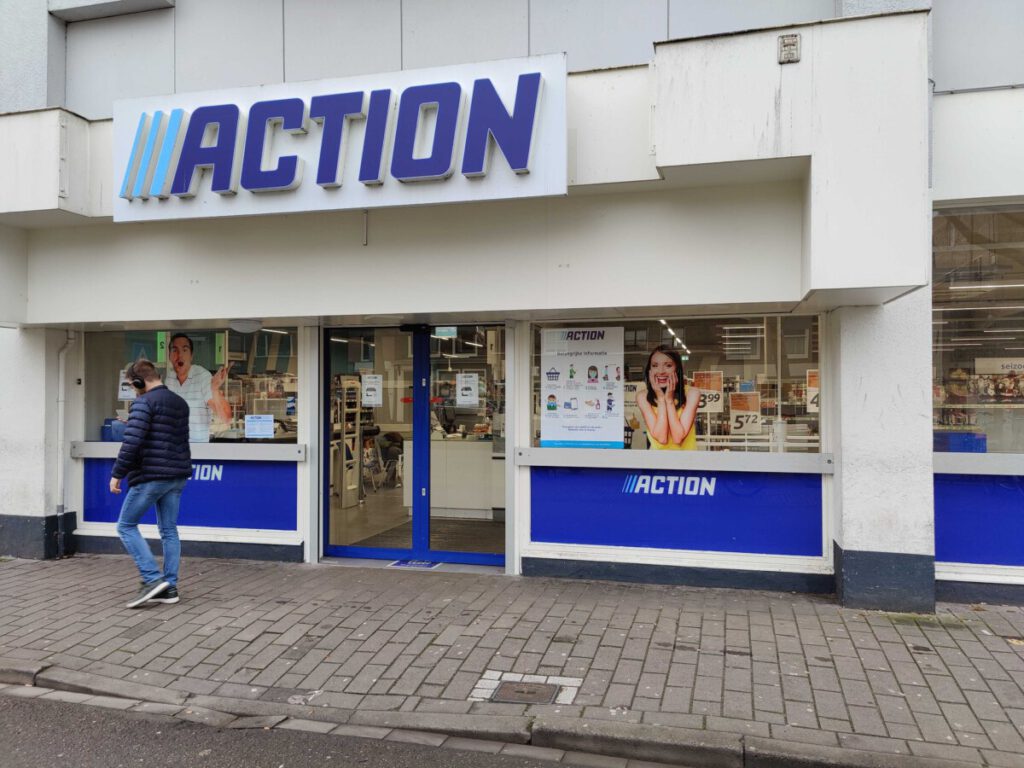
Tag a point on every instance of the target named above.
point(19, 671)
point(552, 735)
point(760, 752)
point(257, 708)
point(695, 749)
point(85, 682)
point(514, 730)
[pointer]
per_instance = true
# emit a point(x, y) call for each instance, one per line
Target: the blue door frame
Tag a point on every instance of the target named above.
point(420, 479)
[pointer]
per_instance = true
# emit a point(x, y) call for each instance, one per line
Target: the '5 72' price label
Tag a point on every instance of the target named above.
point(744, 413)
point(746, 424)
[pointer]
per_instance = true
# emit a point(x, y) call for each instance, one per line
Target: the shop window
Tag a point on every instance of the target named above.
point(595, 384)
point(978, 331)
point(225, 376)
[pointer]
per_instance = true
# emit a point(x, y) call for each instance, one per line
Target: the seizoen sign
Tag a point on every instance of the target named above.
point(450, 134)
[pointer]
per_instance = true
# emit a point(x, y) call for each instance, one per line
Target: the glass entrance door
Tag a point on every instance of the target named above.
point(413, 418)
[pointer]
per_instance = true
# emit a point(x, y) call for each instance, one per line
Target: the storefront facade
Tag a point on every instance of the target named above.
point(438, 343)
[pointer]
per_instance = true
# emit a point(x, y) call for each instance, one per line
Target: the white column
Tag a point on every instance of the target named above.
point(878, 381)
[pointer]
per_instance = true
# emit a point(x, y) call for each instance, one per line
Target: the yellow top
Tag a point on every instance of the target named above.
point(689, 442)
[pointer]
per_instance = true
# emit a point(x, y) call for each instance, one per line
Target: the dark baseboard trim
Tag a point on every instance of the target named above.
point(286, 553)
point(885, 581)
point(36, 538)
point(679, 575)
point(979, 592)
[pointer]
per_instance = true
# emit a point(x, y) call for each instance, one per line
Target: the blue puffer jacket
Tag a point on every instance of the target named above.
point(155, 443)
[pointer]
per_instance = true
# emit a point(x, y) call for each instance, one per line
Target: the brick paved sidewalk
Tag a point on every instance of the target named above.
point(788, 667)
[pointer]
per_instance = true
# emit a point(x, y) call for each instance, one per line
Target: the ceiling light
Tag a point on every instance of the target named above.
point(745, 327)
point(339, 341)
point(988, 287)
point(473, 344)
point(245, 325)
point(982, 338)
point(271, 330)
point(660, 320)
point(974, 309)
point(1003, 330)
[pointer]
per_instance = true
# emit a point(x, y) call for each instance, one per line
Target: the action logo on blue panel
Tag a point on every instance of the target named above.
point(746, 512)
point(220, 494)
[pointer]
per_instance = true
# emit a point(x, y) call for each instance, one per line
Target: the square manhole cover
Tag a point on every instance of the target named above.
point(525, 693)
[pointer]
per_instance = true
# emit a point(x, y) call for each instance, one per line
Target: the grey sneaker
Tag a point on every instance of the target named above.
point(149, 591)
point(168, 596)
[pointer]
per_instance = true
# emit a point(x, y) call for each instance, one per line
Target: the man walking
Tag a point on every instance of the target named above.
point(156, 462)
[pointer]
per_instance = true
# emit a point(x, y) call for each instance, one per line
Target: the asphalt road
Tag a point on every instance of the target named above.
point(36, 733)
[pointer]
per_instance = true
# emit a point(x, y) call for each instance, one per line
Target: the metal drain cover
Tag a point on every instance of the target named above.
point(525, 693)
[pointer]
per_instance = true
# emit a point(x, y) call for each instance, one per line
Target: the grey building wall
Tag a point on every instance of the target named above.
point(977, 44)
point(201, 45)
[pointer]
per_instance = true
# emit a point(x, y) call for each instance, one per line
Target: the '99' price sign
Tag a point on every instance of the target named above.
point(710, 385)
point(744, 413)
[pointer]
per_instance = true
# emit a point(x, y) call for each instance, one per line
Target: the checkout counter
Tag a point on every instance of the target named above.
point(467, 477)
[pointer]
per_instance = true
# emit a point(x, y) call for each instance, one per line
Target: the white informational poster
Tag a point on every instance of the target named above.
point(745, 413)
point(710, 384)
point(125, 391)
point(813, 392)
point(582, 388)
point(467, 390)
point(373, 390)
point(259, 425)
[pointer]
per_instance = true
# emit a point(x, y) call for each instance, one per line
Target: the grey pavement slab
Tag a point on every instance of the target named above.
point(412, 652)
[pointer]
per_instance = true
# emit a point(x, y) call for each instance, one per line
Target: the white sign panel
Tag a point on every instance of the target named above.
point(710, 384)
point(744, 413)
point(259, 425)
point(373, 390)
point(1001, 365)
point(467, 390)
point(582, 388)
point(482, 131)
point(813, 391)
point(125, 391)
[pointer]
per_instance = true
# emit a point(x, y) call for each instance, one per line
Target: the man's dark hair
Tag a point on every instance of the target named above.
point(191, 346)
point(143, 369)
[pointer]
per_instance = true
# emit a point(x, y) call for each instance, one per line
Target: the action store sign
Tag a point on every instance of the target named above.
point(581, 388)
point(483, 131)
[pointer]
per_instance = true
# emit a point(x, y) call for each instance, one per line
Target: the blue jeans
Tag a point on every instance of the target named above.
point(166, 494)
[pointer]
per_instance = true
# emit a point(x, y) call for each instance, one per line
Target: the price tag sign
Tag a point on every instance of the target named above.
point(813, 392)
point(259, 425)
point(744, 413)
point(125, 391)
point(710, 385)
point(373, 390)
point(467, 390)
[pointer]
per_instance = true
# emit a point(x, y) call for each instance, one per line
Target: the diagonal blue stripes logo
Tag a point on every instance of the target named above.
point(155, 152)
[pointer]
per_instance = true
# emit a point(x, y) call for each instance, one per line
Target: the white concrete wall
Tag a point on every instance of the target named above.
point(28, 412)
point(30, 159)
point(609, 127)
point(143, 64)
point(865, 130)
point(597, 251)
point(879, 423)
point(978, 155)
point(48, 164)
point(13, 275)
